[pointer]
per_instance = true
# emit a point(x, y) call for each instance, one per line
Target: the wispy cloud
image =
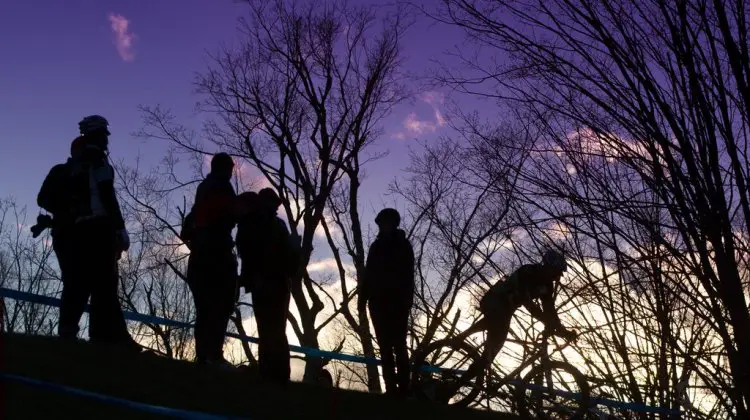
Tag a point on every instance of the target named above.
point(124, 38)
point(414, 127)
point(439, 119)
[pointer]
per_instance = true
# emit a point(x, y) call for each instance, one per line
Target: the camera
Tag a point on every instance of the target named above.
point(43, 222)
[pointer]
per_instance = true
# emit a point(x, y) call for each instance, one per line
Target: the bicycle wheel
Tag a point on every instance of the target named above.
point(553, 390)
point(437, 372)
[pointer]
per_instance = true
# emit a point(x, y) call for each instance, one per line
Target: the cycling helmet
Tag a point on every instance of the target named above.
point(93, 124)
point(555, 260)
point(388, 215)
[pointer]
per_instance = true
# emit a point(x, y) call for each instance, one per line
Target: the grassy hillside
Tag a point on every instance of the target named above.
point(155, 380)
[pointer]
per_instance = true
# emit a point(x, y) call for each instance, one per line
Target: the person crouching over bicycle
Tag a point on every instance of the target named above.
point(523, 286)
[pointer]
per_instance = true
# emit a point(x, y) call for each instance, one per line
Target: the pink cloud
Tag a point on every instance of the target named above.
point(416, 126)
point(441, 121)
point(124, 39)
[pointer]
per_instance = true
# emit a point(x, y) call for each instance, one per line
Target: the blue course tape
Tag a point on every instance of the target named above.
point(154, 409)
point(602, 401)
point(149, 319)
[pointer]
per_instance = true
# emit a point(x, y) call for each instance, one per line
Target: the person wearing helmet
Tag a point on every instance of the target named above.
point(526, 284)
point(270, 257)
point(98, 238)
point(212, 265)
point(388, 289)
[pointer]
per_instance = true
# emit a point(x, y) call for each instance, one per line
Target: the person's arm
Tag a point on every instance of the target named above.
point(409, 270)
point(547, 314)
point(550, 317)
point(536, 312)
point(105, 180)
point(364, 282)
point(549, 311)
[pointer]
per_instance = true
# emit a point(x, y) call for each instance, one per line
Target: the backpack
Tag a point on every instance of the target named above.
point(54, 195)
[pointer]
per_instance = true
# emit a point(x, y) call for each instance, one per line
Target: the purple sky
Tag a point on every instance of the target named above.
point(65, 59)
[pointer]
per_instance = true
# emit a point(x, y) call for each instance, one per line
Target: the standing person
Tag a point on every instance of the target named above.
point(97, 238)
point(388, 287)
point(54, 197)
point(212, 266)
point(269, 259)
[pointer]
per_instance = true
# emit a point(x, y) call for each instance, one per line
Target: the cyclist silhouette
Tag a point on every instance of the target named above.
point(523, 286)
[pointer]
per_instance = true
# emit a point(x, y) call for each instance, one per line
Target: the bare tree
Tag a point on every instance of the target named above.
point(26, 265)
point(152, 273)
point(461, 220)
point(662, 88)
point(300, 100)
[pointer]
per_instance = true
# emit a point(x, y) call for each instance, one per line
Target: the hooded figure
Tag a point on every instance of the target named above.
point(212, 266)
point(388, 287)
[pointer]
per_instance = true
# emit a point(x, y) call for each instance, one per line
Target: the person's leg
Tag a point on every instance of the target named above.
point(496, 337)
point(279, 309)
point(225, 301)
point(107, 320)
point(400, 331)
point(212, 317)
point(197, 287)
point(497, 332)
point(383, 334)
point(260, 306)
point(84, 269)
point(98, 323)
point(115, 318)
point(74, 294)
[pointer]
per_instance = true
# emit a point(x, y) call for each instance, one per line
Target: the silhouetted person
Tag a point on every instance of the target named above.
point(269, 259)
point(212, 266)
point(97, 239)
point(523, 286)
point(388, 287)
point(55, 197)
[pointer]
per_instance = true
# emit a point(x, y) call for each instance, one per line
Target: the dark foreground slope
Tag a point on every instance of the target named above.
point(155, 380)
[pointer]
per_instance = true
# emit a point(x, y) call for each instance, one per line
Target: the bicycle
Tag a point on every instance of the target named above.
point(535, 395)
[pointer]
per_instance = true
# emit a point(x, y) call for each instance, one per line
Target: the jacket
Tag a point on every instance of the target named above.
point(266, 248)
point(213, 215)
point(82, 189)
point(527, 283)
point(389, 270)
